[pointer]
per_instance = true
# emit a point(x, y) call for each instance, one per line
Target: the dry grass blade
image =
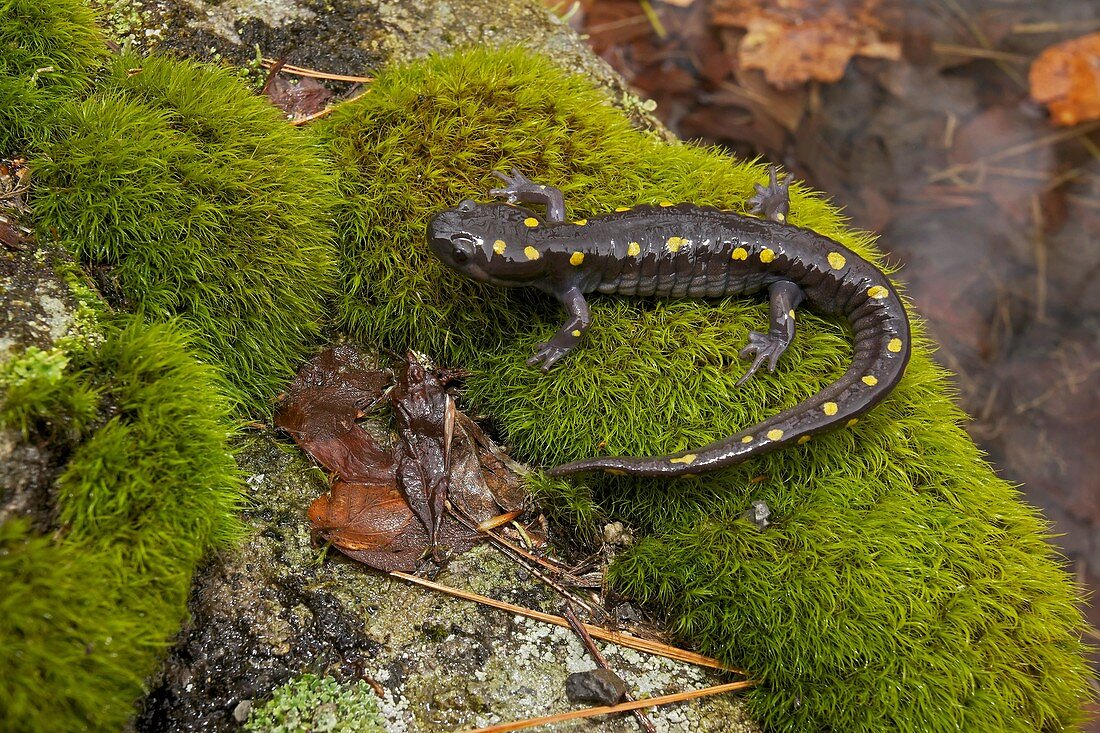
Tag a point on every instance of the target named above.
point(622, 708)
point(1080, 132)
point(614, 637)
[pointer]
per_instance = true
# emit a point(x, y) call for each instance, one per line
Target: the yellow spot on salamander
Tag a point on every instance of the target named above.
point(767, 255)
point(689, 458)
point(666, 203)
point(576, 258)
point(499, 246)
point(830, 408)
point(779, 217)
point(531, 221)
point(836, 260)
point(739, 254)
point(746, 439)
point(576, 333)
point(633, 249)
point(878, 292)
point(851, 422)
point(775, 434)
point(870, 380)
point(532, 253)
point(894, 346)
point(790, 313)
point(675, 243)
point(581, 222)
point(622, 208)
point(804, 439)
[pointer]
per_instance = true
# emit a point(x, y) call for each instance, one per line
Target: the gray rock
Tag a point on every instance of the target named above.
point(596, 686)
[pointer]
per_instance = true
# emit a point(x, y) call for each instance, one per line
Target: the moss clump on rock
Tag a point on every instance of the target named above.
point(150, 487)
point(48, 51)
point(902, 585)
point(195, 199)
point(312, 704)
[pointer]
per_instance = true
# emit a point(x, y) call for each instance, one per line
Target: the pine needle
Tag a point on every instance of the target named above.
point(622, 708)
point(615, 637)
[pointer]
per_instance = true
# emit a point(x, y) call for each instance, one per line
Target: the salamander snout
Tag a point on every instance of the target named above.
point(454, 246)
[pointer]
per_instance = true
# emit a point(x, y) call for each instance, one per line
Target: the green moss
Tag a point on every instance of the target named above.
point(312, 704)
point(570, 504)
point(901, 586)
point(150, 488)
point(204, 204)
point(35, 394)
point(48, 50)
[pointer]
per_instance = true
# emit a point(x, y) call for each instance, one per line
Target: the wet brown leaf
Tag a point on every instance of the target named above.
point(1066, 78)
point(371, 523)
point(425, 416)
point(320, 410)
point(501, 475)
point(1011, 181)
point(803, 40)
point(299, 97)
point(388, 509)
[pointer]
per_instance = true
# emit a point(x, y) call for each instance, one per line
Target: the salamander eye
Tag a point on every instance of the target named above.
point(467, 206)
point(463, 248)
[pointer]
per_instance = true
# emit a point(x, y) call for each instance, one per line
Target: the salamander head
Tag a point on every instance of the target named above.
point(486, 242)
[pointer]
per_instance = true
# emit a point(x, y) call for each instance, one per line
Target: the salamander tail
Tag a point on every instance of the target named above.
point(882, 347)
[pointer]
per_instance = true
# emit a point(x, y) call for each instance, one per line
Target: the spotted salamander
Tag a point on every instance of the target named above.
point(682, 250)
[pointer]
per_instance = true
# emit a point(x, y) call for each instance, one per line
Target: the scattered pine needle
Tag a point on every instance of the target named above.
point(302, 71)
point(621, 708)
point(324, 112)
point(614, 637)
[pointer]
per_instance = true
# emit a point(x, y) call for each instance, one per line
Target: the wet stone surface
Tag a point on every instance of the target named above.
point(355, 36)
point(38, 309)
point(277, 608)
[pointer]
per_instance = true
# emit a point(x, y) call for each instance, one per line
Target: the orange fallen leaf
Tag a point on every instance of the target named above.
point(1066, 78)
point(803, 40)
point(371, 523)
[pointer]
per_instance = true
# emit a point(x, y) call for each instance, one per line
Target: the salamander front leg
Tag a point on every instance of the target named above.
point(784, 296)
point(518, 187)
point(568, 336)
point(773, 200)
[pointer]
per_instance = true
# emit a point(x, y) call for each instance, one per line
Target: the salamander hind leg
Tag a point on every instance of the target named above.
point(784, 296)
point(773, 200)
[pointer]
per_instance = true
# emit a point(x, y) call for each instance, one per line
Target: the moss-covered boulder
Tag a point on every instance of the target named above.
point(142, 485)
point(191, 197)
point(49, 50)
point(902, 585)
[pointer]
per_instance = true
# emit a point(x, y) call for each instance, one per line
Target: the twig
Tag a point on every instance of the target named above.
point(518, 555)
point(586, 638)
point(621, 708)
point(615, 637)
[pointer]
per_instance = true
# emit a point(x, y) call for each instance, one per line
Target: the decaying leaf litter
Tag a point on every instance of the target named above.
point(411, 506)
point(386, 506)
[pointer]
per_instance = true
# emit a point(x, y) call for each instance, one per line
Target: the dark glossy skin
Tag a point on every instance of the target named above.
point(684, 250)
